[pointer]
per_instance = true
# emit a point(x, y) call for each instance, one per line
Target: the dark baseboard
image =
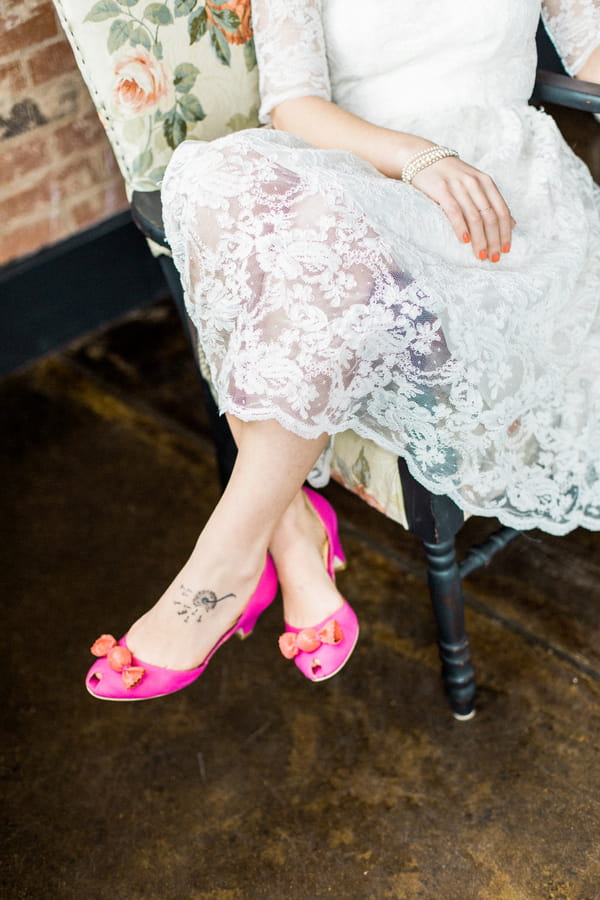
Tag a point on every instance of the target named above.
point(74, 287)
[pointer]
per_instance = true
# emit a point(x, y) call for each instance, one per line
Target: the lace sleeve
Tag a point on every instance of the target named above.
point(574, 26)
point(290, 49)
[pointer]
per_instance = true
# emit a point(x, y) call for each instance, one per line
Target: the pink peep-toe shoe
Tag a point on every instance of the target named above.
point(321, 652)
point(118, 675)
point(336, 558)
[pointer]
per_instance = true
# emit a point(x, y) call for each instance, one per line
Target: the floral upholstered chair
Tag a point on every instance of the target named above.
point(163, 72)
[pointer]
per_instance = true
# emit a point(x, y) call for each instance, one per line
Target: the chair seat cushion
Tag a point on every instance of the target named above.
point(370, 472)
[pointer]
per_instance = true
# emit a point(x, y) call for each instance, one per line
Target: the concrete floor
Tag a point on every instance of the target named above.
point(253, 783)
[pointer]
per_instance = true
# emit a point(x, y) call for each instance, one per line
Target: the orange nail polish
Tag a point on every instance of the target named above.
point(495, 257)
point(483, 254)
point(506, 248)
point(466, 238)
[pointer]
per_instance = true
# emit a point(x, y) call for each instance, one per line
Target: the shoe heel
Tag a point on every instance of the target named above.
point(337, 552)
point(327, 514)
point(246, 626)
point(262, 597)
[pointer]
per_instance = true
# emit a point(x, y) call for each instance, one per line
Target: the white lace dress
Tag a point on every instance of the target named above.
point(328, 296)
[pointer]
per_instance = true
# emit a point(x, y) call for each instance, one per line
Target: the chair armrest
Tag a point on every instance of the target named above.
point(563, 90)
point(146, 212)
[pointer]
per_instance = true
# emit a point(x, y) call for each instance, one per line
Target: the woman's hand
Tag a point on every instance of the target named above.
point(473, 204)
point(469, 198)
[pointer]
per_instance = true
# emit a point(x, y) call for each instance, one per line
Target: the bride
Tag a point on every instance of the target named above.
point(409, 251)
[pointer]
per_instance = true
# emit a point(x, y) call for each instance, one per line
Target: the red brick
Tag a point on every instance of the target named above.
point(25, 202)
point(104, 163)
point(17, 242)
point(19, 159)
point(12, 79)
point(105, 202)
point(76, 177)
point(51, 61)
point(82, 134)
point(37, 28)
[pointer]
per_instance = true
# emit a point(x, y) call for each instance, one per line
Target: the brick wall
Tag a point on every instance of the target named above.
point(57, 172)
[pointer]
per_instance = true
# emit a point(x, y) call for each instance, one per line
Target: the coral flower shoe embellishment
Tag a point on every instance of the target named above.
point(322, 651)
point(119, 658)
point(308, 640)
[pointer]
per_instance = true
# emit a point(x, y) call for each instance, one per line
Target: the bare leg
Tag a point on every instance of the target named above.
point(229, 555)
point(297, 547)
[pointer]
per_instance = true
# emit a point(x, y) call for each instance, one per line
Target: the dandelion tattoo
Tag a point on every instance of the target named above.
point(200, 602)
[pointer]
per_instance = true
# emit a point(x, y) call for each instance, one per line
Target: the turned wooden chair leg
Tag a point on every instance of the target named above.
point(448, 607)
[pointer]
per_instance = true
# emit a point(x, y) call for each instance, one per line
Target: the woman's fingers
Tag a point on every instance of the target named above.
point(475, 217)
point(454, 213)
point(495, 214)
point(482, 219)
point(473, 204)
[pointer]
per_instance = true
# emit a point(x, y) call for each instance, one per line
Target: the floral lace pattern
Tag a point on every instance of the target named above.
point(329, 297)
point(574, 26)
point(303, 69)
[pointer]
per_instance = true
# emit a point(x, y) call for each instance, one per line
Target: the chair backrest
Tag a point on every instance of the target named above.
point(163, 72)
point(548, 58)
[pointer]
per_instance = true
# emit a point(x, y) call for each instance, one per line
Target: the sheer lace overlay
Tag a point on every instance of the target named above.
point(574, 26)
point(302, 70)
point(329, 297)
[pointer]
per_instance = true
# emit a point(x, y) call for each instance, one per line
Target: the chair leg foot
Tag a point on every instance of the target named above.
point(448, 607)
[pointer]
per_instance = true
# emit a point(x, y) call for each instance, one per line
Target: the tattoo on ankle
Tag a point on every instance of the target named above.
point(200, 602)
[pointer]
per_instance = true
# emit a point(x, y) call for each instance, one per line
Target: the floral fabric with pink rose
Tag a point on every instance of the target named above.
point(142, 63)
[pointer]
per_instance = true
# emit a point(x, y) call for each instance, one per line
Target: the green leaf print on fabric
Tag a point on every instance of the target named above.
point(191, 108)
point(158, 14)
point(105, 9)
point(250, 55)
point(220, 46)
point(142, 162)
point(240, 121)
point(184, 77)
point(227, 19)
point(174, 128)
point(184, 7)
point(361, 469)
point(120, 32)
point(197, 25)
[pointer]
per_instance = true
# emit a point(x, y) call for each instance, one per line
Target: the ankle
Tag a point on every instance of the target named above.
point(243, 563)
point(297, 523)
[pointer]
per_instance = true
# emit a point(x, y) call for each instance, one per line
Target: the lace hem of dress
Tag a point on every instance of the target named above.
point(491, 509)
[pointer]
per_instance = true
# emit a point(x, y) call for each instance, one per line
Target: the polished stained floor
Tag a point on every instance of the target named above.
point(254, 783)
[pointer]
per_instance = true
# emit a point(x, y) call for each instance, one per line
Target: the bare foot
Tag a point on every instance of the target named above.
point(299, 548)
point(201, 604)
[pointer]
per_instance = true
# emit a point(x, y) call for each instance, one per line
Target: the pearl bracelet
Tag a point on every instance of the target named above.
point(422, 160)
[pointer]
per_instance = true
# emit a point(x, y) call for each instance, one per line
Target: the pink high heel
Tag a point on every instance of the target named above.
point(121, 676)
point(336, 558)
point(321, 652)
